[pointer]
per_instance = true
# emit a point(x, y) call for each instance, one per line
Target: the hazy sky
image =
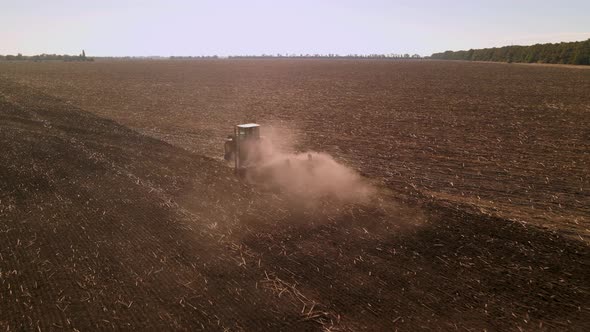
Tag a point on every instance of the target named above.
point(183, 27)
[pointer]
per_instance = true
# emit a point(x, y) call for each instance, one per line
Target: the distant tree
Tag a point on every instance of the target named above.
point(581, 55)
point(566, 53)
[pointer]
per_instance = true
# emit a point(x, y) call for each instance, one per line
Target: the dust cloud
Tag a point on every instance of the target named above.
point(305, 176)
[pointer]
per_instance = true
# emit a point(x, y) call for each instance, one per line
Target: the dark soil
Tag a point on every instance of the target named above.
point(507, 140)
point(103, 227)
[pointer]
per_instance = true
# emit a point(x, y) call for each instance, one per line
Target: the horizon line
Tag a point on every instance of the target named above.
point(278, 54)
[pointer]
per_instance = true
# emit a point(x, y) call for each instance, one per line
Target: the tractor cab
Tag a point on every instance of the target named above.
point(248, 131)
point(245, 146)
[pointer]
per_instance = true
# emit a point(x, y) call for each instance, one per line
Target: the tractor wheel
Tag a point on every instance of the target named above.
point(229, 156)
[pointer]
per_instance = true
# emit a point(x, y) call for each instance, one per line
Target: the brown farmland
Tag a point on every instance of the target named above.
point(117, 210)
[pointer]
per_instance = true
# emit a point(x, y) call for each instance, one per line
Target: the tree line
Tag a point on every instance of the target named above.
point(83, 57)
point(330, 56)
point(302, 56)
point(573, 53)
point(47, 57)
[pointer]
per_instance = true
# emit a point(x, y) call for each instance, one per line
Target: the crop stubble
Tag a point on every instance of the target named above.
point(106, 227)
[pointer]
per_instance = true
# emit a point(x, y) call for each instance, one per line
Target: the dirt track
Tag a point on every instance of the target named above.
point(104, 227)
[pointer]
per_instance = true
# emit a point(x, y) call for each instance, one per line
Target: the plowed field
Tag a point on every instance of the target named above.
point(118, 212)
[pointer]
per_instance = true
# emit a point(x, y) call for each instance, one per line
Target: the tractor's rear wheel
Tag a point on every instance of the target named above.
point(229, 150)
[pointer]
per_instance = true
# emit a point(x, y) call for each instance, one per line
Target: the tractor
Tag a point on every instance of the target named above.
point(246, 147)
point(256, 162)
